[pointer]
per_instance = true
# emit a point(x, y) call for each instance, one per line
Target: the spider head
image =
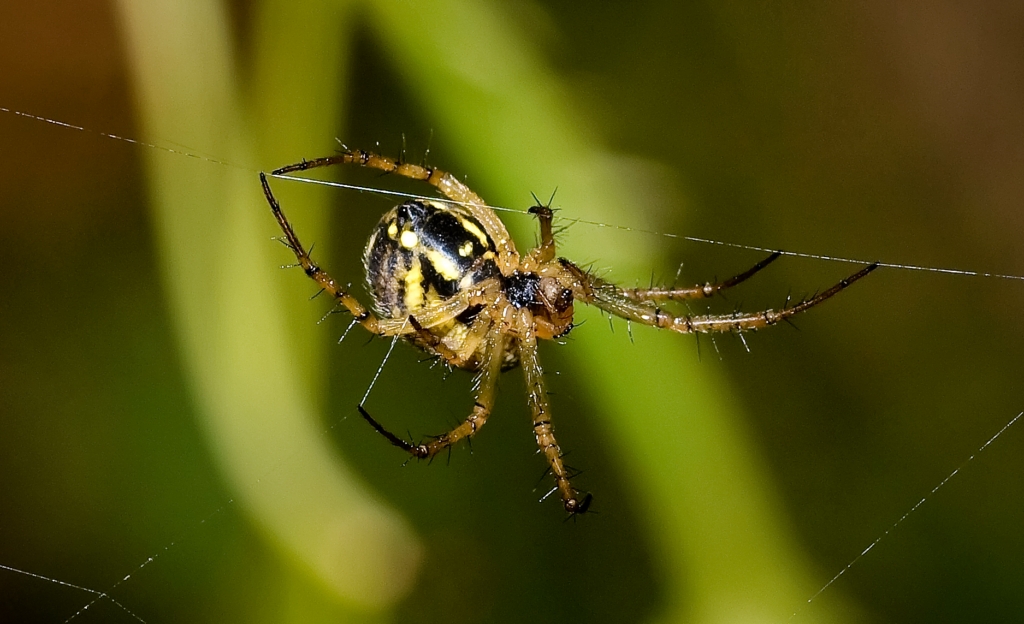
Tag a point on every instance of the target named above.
point(547, 297)
point(556, 297)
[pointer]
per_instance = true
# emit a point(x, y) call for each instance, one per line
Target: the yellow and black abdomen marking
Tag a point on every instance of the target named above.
point(423, 253)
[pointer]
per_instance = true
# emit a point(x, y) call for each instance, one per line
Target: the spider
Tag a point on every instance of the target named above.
point(446, 276)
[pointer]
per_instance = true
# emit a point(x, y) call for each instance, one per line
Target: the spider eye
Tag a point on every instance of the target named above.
point(557, 297)
point(564, 300)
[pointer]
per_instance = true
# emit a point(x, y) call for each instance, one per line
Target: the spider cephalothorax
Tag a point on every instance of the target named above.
point(446, 276)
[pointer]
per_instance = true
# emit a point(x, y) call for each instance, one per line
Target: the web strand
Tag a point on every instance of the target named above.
point(97, 595)
point(692, 239)
point(380, 368)
point(129, 140)
point(910, 511)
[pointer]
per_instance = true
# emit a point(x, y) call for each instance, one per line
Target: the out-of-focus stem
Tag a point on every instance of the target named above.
point(249, 371)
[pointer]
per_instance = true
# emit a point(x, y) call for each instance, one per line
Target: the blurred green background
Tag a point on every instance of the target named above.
point(166, 391)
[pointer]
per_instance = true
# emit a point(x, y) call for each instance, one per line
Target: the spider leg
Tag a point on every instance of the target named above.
point(440, 312)
point(437, 315)
point(700, 291)
point(609, 297)
point(545, 252)
point(475, 335)
point(483, 404)
point(464, 199)
point(541, 409)
point(318, 275)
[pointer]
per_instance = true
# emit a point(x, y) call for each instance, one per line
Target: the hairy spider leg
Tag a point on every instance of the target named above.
point(373, 324)
point(360, 312)
point(537, 397)
point(700, 291)
point(545, 252)
point(609, 297)
point(486, 390)
point(464, 198)
point(475, 335)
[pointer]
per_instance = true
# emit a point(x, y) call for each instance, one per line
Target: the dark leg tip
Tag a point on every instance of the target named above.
point(392, 438)
point(575, 506)
point(541, 211)
point(859, 274)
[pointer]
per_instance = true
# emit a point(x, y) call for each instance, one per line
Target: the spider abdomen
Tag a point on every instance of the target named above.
point(421, 254)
